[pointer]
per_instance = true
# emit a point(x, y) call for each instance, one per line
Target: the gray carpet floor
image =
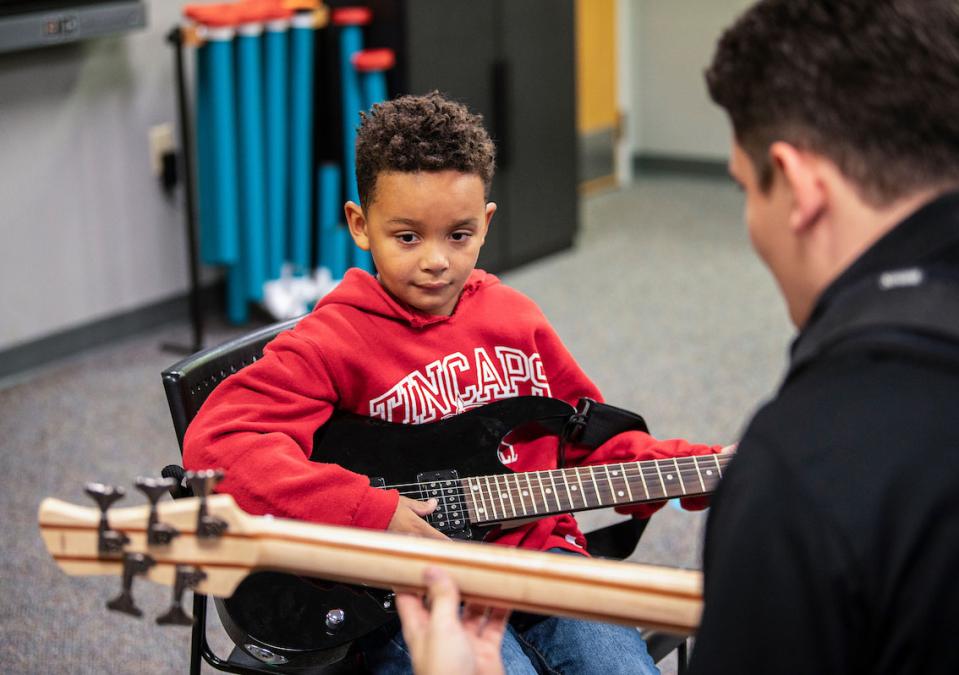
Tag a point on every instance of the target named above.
point(662, 302)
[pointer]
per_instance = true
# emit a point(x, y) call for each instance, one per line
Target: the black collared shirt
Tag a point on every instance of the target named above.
point(833, 543)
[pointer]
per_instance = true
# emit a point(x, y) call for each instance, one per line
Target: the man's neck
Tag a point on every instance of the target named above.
point(852, 226)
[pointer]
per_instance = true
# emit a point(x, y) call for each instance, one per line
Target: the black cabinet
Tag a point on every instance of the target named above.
point(513, 62)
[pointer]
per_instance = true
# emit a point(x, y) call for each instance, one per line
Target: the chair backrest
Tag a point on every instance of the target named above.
point(189, 382)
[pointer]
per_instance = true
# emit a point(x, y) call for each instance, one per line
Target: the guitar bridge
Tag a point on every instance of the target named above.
point(450, 516)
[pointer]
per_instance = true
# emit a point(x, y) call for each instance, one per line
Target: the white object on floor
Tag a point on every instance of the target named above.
point(294, 295)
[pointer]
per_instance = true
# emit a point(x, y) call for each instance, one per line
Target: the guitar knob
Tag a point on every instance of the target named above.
point(335, 619)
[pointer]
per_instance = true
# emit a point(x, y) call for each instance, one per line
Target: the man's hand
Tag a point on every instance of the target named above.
point(439, 641)
point(408, 518)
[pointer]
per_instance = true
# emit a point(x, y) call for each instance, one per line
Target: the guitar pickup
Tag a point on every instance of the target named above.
point(437, 476)
point(450, 515)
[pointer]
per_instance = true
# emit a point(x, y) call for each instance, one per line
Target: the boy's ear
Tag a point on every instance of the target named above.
point(490, 210)
point(807, 186)
point(356, 221)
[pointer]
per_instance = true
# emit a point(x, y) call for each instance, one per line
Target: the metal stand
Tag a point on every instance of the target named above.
point(175, 39)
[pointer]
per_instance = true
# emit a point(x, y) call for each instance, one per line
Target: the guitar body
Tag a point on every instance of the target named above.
point(288, 614)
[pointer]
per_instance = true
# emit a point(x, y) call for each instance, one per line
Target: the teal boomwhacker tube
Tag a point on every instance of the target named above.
point(249, 71)
point(335, 242)
point(373, 87)
point(351, 41)
point(301, 138)
point(237, 309)
point(222, 148)
point(276, 75)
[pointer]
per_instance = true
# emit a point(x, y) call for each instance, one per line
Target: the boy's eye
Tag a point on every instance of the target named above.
point(461, 236)
point(406, 237)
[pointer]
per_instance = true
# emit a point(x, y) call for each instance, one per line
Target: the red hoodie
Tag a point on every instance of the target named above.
point(362, 351)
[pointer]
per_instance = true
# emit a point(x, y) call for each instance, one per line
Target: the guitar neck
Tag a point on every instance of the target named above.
point(633, 594)
point(535, 494)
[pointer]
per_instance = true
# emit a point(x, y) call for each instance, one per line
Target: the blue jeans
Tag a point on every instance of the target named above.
point(552, 645)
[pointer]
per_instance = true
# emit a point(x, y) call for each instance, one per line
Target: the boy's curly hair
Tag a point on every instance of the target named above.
point(421, 133)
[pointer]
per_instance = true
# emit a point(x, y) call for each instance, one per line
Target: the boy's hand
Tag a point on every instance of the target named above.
point(408, 518)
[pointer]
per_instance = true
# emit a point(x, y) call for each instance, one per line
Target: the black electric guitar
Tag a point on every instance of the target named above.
point(288, 617)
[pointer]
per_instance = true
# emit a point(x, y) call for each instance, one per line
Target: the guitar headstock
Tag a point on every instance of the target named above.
point(202, 543)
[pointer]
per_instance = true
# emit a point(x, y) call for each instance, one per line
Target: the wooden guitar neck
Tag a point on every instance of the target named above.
point(634, 594)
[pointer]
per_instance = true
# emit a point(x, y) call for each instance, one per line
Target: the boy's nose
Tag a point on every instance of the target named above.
point(434, 259)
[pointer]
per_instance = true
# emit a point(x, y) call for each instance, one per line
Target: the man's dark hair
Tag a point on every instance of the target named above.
point(871, 84)
point(421, 133)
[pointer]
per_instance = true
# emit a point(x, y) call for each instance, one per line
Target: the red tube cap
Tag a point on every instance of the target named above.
point(373, 60)
point(221, 15)
point(352, 16)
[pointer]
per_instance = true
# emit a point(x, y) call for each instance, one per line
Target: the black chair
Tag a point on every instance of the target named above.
point(189, 382)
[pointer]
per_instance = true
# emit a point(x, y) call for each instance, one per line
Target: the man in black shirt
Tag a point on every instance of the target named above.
point(832, 545)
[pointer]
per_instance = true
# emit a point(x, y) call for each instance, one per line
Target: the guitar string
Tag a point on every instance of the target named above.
point(686, 464)
point(603, 494)
point(690, 472)
point(651, 489)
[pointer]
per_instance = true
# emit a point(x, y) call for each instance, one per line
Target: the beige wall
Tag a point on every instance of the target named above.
point(673, 42)
point(86, 230)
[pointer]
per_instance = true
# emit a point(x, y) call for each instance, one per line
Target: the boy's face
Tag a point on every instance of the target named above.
point(424, 230)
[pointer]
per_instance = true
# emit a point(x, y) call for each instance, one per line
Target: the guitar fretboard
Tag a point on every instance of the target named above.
point(541, 493)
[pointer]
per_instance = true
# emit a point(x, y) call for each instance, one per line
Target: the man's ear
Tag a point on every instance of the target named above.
point(490, 210)
point(356, 221)
point(800, 171)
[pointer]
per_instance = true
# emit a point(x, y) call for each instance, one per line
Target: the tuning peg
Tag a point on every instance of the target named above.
point(187, 577)
point(202, 483)
point(157, 533)
point(109, 541)
point(133, 564)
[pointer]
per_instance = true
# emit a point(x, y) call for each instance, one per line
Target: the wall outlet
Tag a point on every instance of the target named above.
point(161, 143)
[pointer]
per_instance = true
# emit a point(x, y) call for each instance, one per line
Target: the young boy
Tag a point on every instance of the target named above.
point(424, 167)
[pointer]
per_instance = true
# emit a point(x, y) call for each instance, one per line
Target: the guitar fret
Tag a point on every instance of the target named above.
point(679, 473)
point(599, 497)
point(555, 491)
point(616, 474)
point(629, 490)
point(658, 471)
point(642, 478)
point(520, 492)
point(718, 468)
point(508, 494)
point(579, 479)
point(492, 502)
point(612, 490)
point(539, 476)
point(462, 502)
point(699, 473)
point(532, 497)
point(569, 493)
point(479, 506)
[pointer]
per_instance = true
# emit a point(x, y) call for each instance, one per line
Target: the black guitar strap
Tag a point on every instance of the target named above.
point(901, 311)
point(595, 423)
